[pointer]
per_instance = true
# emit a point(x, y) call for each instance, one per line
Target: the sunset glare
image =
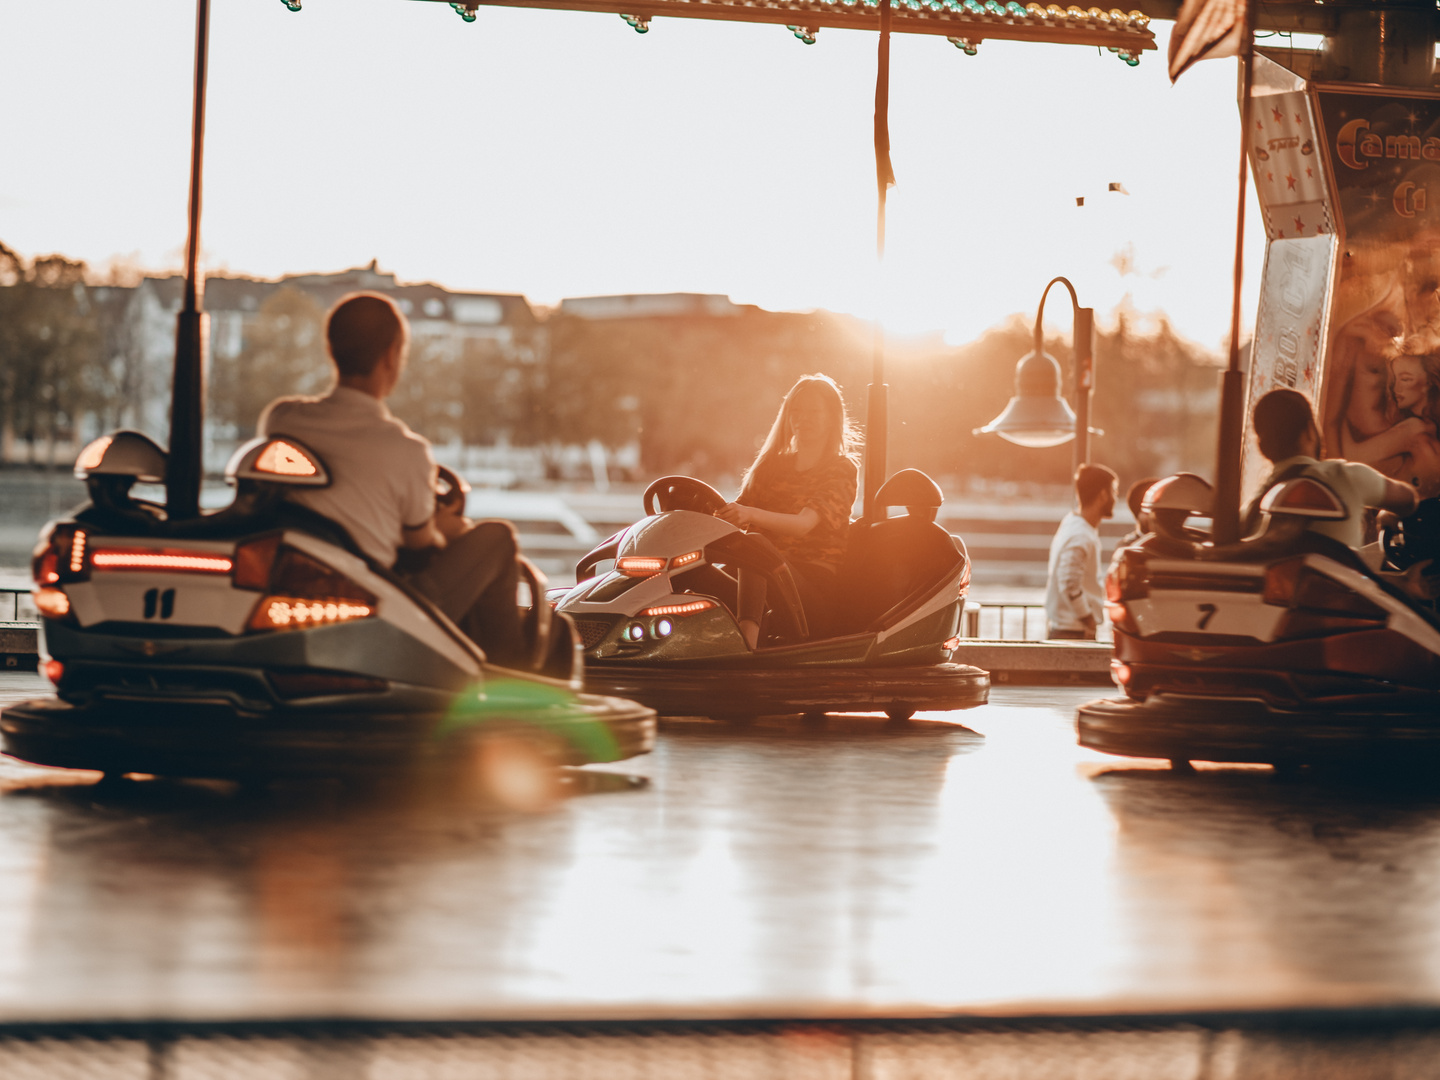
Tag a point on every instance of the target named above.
point(561, 155)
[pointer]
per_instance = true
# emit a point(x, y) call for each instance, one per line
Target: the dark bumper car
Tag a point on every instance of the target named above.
point(1286, 647)
point(259, 642)
point(654, 610)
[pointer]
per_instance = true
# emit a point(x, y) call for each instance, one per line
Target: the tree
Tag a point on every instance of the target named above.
point(49, 377)
point(283, 352)
point(698, 392)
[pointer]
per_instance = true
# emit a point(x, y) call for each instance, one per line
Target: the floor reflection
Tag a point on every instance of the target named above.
point(751, 867)
point(1316, 887)
point(777, 868)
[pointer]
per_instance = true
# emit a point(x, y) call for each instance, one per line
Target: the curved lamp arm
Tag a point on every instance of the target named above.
point(1084, 331)
point(1040, 312)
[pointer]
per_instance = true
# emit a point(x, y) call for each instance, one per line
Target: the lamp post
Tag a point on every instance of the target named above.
point(1037, 415)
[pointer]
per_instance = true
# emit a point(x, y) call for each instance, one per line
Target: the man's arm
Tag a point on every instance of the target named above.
point(1399, 498)
point(445, 525)
point(1070, 575)
point(425, 535)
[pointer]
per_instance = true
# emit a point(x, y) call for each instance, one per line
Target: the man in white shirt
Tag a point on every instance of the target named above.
point(1285, 427)
point(1074, 597)
point(383, 475)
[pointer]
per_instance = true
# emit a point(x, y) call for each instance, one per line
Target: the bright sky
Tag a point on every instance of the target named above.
point(561, 154)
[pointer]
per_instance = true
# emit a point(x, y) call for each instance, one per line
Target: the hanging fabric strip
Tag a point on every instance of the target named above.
point(884, 174)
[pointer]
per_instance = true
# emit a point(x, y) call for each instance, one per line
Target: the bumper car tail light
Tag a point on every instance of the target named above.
point(295, 613)
point(303, 593)
point(299, 575)
point(640, 565)
point(1121, 619)
point(282, 459)
point(1320, 593)
point(60, 556)
point(254, 561)
point(1280, 581)
point(1129, 577)
point(54, 671)
point(93, 454)
point(47, 569)
point(689, 608)
point(51, 602)
point(1304, 497)
point(77, 552)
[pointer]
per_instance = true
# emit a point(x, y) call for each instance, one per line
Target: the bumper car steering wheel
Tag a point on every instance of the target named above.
point(450, 489)
point(681, 493)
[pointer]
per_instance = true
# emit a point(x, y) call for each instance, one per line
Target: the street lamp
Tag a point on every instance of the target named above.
point(1037, 415)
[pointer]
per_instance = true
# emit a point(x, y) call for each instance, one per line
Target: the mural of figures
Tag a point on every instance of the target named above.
point(1381, 397)
point(1384, 380)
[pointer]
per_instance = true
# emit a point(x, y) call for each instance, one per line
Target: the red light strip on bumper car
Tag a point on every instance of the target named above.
point(143, 559)
point(679, 609)
point(294, 613)
point(639, 565)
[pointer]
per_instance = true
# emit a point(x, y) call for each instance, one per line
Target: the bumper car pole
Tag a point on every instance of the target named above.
point(877, 404)
point(1226, 508)
point(187, 402)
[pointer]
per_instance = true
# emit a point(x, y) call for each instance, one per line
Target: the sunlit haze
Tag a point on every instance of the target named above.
point(557, 154)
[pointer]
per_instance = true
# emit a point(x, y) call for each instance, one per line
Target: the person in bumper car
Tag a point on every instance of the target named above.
point(383, 481)
point(798, 493)
point(1289, 438)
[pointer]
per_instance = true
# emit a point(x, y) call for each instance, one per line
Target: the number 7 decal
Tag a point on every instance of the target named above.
point(1207, 612)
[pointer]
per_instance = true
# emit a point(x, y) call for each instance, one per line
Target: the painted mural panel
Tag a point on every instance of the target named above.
point(1289, 174)
point(1381, 402)
point(1289, 329)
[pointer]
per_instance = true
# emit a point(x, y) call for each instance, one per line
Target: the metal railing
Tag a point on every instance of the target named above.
point(1004, 621)
point(16, 605)
point(1250, 1044)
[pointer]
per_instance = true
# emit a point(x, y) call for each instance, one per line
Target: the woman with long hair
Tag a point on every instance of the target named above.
point(798, 493)
point(1408, 449)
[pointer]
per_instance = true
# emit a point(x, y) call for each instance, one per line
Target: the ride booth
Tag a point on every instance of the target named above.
point(1348, 180)
point(1285, 645)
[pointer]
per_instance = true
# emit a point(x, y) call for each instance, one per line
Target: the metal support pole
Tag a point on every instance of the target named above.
point(187, 398)
point(1084, 334)
point(1225, 513)
point(877, 432)
point(877, 405)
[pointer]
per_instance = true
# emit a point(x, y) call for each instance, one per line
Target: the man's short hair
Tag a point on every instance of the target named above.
point(1281, 419)
point(360, 329)
point(1091, 480)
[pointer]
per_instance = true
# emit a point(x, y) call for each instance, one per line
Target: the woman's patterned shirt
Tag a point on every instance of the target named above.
point(829, 487)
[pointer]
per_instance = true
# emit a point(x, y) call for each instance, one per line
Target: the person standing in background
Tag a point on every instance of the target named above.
point(1074, 597)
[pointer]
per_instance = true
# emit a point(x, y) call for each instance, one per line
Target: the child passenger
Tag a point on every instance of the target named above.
point(798, 492)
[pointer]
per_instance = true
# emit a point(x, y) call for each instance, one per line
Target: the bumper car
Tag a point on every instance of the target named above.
point(259, 641)
point(1286, 647)
point(654, 607)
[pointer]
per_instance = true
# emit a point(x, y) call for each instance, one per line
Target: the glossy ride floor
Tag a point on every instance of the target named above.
point(778, 870)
